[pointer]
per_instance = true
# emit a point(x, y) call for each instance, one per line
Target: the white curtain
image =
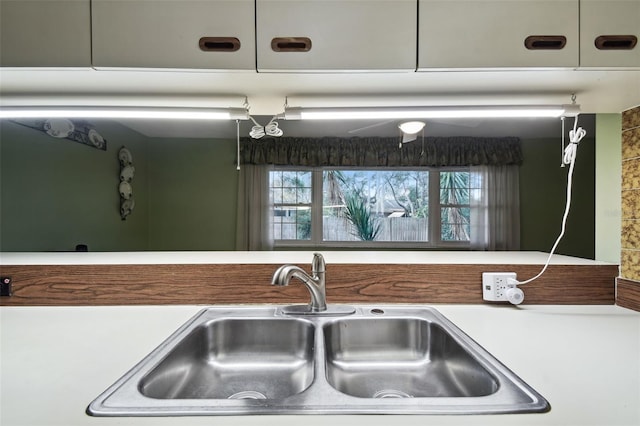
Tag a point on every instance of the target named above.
point(495, 208)
point(252, 230)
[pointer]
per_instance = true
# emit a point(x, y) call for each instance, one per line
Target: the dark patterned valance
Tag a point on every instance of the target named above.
point(381, 152)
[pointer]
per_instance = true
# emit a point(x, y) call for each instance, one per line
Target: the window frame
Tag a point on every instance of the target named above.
point(316, 241)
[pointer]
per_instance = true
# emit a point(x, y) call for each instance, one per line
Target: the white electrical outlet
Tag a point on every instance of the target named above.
point(496, 284)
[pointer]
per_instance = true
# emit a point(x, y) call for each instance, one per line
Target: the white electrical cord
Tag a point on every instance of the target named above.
point(575, 136)
point(257, 131)
point(270, 129)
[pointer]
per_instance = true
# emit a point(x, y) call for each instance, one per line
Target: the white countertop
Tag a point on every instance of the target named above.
point(585, 360)
point(278, 257)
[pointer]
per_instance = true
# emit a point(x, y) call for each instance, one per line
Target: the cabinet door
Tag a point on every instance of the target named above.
point(45, 33)
point(326, 35)
point(205, 34)
point(609, 33)
point(498, 33)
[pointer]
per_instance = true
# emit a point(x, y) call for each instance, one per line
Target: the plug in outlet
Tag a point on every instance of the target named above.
point(496, 284)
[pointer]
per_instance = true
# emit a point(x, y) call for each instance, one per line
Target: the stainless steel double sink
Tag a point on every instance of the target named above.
point(258, 360)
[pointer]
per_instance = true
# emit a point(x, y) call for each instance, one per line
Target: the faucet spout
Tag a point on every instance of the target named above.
point(315, 282)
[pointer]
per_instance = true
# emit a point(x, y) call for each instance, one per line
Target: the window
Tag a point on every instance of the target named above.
point(381, 207)
point(290, 196)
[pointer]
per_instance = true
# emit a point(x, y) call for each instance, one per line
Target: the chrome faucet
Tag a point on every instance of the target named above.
point(314, 282)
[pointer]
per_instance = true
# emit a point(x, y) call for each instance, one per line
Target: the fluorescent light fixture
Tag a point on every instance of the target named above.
point(465, 111)
point(124, 112)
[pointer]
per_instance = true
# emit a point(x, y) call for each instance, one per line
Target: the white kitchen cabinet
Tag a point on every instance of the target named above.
point(45, 33)
point(332, 35)
point(609, 33)
point(176, 34)
point(497, 34)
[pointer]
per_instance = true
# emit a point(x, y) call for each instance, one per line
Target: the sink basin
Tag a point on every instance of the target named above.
point(401, 358)
point(237, 360)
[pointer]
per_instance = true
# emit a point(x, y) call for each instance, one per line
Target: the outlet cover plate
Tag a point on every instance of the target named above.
point(495, 285)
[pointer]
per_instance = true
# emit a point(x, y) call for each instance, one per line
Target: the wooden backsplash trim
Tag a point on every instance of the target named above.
point(628, 294)
point(47, 285)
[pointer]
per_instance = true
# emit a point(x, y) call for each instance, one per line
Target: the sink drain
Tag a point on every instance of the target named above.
point(391, 393)
point(248, 395)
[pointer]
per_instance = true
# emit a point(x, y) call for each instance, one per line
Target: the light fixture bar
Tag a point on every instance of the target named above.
point(465, 111)
point(125, 112)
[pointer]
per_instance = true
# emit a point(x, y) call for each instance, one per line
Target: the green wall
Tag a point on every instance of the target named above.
point(57, 193)
point(608, 187)
point(192, 198)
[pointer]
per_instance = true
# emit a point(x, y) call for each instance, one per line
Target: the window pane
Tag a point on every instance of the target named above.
point(291, 223)
point(275, 178)
point(276, 196)
point(455, 224)
point(304, 195)
point(454, 188)
point(371, 205)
